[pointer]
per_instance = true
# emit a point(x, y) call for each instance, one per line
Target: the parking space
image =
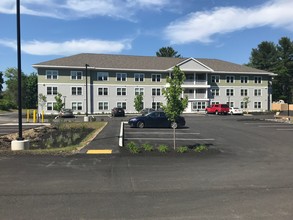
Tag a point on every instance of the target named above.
point(277, 126)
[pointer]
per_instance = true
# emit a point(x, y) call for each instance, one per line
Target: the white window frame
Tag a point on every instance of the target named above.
point(155, 77)
point(230, 79)
point(138, 91)
point(76, 75)
point(198, 105)
point(77, 106)
point(230, 104)
point(103, 91)
point(156, 105)
point(77, 88)
point(123, 91)
point(52, 90)
point(243, 105)
point(102, 76)
point(215, 78)
point(243, 92)
point(215, 92)
point(257, 105)
point(121, 104)
point(155, 92)
point(50, 105)
point(52, 74)
point(229, 92)
point(257, 79)
point(104, 107)
point(121, 77)
point(244, 79)
point(138, 77)
point(257, 92)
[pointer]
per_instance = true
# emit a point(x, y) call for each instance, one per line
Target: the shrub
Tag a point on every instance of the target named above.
point(182, 149)
point(163, 148)
point(133, 148)
point(200, 148)
point(147, 147)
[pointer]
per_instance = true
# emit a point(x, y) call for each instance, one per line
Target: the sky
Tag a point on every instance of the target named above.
point(215, 29)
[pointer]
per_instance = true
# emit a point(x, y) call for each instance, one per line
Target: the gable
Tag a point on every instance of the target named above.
point(194, 65)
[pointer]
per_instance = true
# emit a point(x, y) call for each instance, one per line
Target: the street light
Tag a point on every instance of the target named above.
point(86, 94)
point(64, 97)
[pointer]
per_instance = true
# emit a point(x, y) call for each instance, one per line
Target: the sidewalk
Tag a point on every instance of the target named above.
point(106, 140)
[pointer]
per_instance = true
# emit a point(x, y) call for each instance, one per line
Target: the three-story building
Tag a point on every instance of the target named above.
point(114, 81)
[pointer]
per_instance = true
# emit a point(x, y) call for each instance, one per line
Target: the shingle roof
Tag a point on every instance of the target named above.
point(127, 62)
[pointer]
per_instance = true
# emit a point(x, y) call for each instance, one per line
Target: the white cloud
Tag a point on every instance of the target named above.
point(70, 47)
point(202, 26)
point(68, 9)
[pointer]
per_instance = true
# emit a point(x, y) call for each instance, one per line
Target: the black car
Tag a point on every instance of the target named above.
point(155, 119)
point(117, 112)
point(66, 113)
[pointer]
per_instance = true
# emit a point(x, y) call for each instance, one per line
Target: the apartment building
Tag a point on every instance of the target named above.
point(96, 83)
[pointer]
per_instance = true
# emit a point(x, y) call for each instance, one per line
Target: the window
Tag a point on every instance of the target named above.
point(51, 74)
point(257, 105)
point(103, 76)
point(198, 105)
point(257, 79)
point(229, 92)
point(156, 105)
point(156, 77)
point(76, 90)
point(138, 91)
point(230, 79)
point(215, 79)
point(103, 105)
point(121, 105)
point(244, 79)
point(215, 92)
point(52, 90)
point(121, 91)
point(257, 92)
point(231, 104)
point(50, 106)
point(76, 75)
point(243, 92)
point(102, 91)
point(243, 105)
point(121, 76)
point(138, 77)
point(76, 106)
point(215, 103)
point(156, 91)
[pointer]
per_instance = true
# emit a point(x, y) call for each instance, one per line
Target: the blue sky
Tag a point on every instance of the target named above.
point(221, 29)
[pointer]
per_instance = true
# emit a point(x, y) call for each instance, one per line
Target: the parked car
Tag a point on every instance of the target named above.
point(217, 109)
point(146, 111)
point(117, 112)
point(66, 113)
point(155, 119)
point(235, 111)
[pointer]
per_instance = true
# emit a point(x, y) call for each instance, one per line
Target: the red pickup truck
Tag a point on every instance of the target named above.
point(217, 109)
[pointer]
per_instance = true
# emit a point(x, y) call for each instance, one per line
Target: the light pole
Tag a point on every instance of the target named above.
point(86, 94)
point(64, 97)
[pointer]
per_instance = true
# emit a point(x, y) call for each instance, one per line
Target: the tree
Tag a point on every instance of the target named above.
point(42, 100)
point(175, 105)
point(276, 58)
point(138, 102)
point(30, 91)
point(167, 52)
point(59, 104)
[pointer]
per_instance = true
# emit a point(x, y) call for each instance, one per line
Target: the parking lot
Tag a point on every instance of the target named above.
point(230, 134)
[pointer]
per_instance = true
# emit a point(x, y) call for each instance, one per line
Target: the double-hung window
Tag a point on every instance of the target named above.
point(229, 92)
point(243, 92)
point(156, 77)
point(215, 78)
point(121, 105)
point(121, 91)
point(102, 91)
point(257, 105)
point(121, 76)
point(138, 91)
point(244, 79)
point(51, 74)
point(257, 92)
point(76, 75)
point(138, 77)
point(230, 79)
point(156, 91)
point(76, 106)
point(102, 76)
point(52, 90)
point(76, 90)
point(215, 92)
point(103, 106)
point(50, 106)
point(257, 79)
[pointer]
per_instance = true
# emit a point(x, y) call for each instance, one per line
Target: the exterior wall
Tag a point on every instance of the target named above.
point(198, 87)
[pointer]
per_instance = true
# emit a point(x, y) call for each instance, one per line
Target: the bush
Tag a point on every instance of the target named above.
point(200, 148)
point(163, 148)
point(182, 149)
point(147, 147)
point(6, 105)
point(133, 148)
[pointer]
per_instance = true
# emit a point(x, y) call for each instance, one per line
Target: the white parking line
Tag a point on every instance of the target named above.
point(279, 129)
point(162, 133)
point(275, 126)
point(167, 139)
point(263, 123)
